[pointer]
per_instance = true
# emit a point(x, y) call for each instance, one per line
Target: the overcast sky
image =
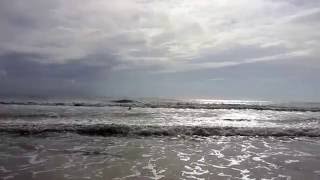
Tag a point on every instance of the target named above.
point(225, 49)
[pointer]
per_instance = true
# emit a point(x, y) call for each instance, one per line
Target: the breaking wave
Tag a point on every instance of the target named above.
point(136, 130)
point(177, 105)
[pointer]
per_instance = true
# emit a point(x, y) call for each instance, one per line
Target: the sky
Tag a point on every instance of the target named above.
point(222, 49)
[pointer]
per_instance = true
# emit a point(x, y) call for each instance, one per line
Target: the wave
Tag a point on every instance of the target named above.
point(135, 130)
point(37, 115)
point(176, 105)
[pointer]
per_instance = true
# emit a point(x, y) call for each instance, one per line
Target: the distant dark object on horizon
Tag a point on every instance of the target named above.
point(124, 101)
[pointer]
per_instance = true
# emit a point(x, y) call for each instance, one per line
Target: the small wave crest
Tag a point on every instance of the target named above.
point(135, 130)
point(176, 105)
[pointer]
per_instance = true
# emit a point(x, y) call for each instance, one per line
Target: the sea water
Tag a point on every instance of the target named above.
point(159, 139)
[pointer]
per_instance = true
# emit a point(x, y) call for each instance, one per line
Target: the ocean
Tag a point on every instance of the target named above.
point(154, 138)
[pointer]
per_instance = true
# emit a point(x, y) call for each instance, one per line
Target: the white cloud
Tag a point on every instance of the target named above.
point(216, 79)
point(213, 65)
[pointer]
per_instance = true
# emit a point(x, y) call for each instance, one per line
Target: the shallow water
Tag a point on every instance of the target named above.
point(72, 156)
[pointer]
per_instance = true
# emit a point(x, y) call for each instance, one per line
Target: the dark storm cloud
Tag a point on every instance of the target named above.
point(23, 65)
point(23, 73)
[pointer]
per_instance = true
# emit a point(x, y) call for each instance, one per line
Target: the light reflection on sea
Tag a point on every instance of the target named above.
point(37, 114)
